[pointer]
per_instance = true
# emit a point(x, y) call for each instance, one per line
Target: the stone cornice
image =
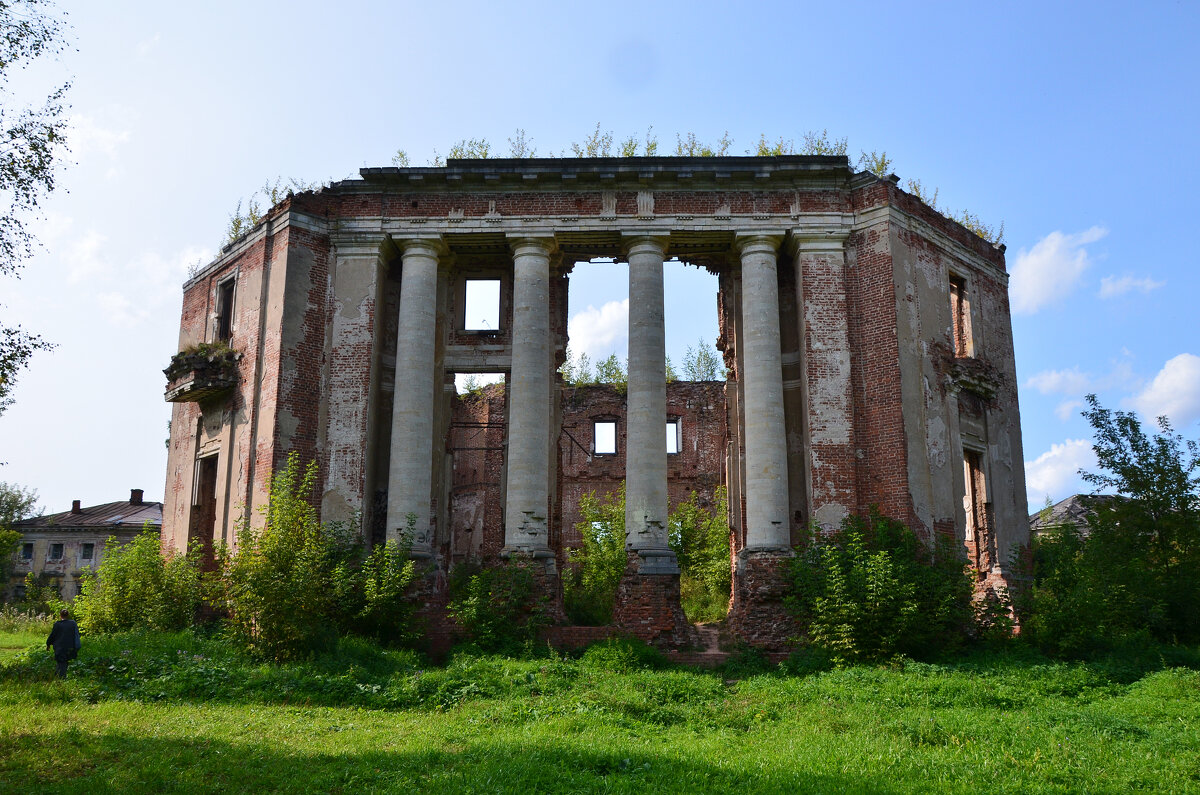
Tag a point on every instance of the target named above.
point(684, 173)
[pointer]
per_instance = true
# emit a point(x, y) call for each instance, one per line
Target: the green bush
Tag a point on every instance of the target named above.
point(622, 655)
point(593, 573)
point(290, 585)
point(873, 589)
point(137, 587)
point(384, 579)
point(41, 595)
point(700, 539)
point(498, 606)
point(1134, 576)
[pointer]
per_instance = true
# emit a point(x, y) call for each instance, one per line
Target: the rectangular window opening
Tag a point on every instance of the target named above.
point(224, 325)
point(960, 314)
point(27, 551)
point(56, 551)
point(604, 441)
point(482, 305)
point(673, 442)
point(89, 551)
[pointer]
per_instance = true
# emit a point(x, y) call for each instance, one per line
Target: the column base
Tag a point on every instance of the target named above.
point(758, 616)
point(648, 606)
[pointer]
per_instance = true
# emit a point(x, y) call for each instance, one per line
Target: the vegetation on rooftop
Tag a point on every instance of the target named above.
point(603, 143)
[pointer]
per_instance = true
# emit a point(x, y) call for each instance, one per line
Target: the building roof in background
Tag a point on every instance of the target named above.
point(1074, 510)
point(126, 514)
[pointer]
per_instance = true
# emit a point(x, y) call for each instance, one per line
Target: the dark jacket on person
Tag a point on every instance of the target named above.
point(64, 637)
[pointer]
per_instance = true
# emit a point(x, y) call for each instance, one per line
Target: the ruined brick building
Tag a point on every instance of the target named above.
point(867, 339)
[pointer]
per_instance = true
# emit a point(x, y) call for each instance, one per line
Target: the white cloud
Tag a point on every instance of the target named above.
point(1065, 410)
point(86, 136)
point(120, 310)
point(1111, 286)
point(85, 258)
point(1055, 473)
point(1051, 269)
point(599, 332)
point(135, 291)
point(1174, 392)
point(1067, 382)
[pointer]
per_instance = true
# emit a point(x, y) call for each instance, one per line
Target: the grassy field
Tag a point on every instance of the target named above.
point(177, 713)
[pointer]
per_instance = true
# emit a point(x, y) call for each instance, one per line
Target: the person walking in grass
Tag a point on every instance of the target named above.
point(64, 638)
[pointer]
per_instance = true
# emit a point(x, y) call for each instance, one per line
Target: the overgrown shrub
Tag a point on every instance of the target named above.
point(136, 586)
point(1134, 576)
point(384, 579)
point(42, 596)
point(700, 539)
point(873, 589)
point(622, 655)
point(497, 606)
point(291, 584)
point(593, 573)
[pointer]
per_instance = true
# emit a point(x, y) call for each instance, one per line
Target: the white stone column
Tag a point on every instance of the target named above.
point(527, 501)
point(646, 417)
point(410, 474)
point(767, 525)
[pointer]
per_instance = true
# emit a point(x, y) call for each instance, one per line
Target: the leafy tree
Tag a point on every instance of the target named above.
point(41, 595)
point(16, 504)
point(611, 371)
point(10, 543)
point(32, 142)
point(703, 363)
point(577, 371)
point(136, 587)
point(1135, 574)
point(520, 146)
point(873, 589)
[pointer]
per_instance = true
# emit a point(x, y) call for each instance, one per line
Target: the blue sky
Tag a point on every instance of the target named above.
point(1074, 125)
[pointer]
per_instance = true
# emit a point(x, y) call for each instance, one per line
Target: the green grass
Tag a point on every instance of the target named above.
point(179, 713)
point(13, 643)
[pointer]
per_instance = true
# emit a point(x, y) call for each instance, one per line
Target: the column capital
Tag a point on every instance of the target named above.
point(819, 240)
point(632, 242)
point(758, 242)
point(429, 245)
point(517, 241)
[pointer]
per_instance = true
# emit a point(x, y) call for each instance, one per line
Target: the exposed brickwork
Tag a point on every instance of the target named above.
point(878, 409)
point(697, 467)
point(647, 608)
point(757, 614)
